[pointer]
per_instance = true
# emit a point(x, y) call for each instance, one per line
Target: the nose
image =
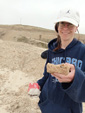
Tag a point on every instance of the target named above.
point(65, 25)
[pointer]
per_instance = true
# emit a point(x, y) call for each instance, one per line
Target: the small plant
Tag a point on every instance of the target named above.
point(2, 34)
point(23, 39)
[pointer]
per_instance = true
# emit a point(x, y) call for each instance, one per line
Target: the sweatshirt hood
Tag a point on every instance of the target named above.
point(53, 44)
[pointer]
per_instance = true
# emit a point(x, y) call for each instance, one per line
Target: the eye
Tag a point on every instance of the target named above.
point(70, 24)
point(62, 23)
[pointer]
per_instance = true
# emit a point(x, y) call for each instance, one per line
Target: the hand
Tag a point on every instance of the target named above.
point(34, 89)
point(66, 78)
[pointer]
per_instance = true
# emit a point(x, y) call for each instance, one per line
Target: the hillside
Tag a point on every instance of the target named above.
point(20, 64)
point(27, 34)
point(30, 34)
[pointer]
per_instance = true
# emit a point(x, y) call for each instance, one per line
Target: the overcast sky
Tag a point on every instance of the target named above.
point(40, 13)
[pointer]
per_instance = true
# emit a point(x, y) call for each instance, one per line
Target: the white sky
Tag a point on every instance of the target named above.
point(40, 13)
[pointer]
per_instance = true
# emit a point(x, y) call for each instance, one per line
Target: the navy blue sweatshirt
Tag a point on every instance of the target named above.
point(59, 97)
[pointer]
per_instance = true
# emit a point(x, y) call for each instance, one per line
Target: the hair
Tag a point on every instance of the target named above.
point(78, 35)
point(58, 38)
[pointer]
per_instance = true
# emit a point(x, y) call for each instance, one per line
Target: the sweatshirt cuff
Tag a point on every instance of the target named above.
point(76, 83)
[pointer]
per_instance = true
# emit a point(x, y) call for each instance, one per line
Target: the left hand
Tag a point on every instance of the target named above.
point(65, 78)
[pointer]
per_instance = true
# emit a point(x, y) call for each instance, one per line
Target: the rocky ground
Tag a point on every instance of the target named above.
point(20, 64)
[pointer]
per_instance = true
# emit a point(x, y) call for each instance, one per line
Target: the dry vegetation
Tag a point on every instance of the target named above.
point(27, 34)
point(20, 64)
point(30, 34)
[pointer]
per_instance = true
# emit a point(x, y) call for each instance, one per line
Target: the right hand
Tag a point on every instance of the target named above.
point(34, 89)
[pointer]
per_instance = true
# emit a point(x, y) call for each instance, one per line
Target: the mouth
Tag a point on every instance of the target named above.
point(65, 33)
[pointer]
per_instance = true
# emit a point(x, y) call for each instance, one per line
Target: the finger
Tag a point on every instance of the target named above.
point(63, 78)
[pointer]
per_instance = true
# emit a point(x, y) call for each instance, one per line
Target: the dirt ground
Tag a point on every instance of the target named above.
point(20, 64)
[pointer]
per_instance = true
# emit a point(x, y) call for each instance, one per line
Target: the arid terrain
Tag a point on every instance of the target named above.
point(21, 63)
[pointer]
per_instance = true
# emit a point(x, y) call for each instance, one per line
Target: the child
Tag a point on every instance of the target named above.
point(60, 93)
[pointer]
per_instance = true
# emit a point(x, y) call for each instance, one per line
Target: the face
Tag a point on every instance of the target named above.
point(66, 30)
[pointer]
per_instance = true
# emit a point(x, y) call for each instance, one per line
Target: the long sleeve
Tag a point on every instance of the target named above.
point(42, 81)
point(76, 91)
